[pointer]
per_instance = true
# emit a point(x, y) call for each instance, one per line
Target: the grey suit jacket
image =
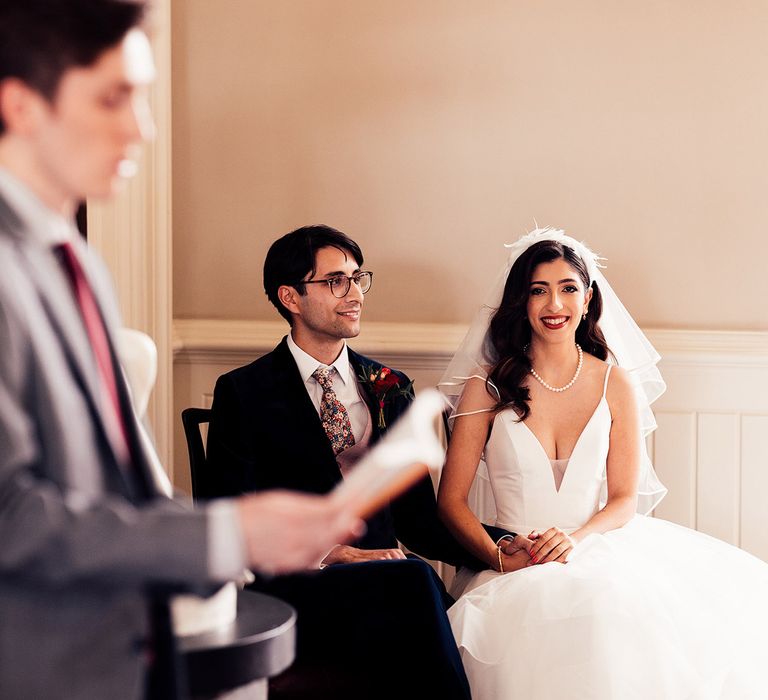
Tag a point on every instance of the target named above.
point(81, 537)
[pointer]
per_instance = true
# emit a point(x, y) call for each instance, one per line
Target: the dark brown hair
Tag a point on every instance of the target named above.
point(291, 258)
point(41, 39)
point(510, 332)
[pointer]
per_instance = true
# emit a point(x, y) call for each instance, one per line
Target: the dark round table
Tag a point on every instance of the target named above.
point(260, 643)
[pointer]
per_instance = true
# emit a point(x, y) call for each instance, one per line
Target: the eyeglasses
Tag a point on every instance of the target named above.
point(340, 284)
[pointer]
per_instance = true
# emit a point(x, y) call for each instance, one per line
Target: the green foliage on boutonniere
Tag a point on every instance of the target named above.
point(384, 384)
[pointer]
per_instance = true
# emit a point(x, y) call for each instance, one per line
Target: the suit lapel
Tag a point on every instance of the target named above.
point(151, 477)
point(146, 463)
point(370, 400)
point(56, 295)
point(56, 298)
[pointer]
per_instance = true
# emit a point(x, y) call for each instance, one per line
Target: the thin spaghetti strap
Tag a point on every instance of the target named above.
point(607, 374)
point(471, 413)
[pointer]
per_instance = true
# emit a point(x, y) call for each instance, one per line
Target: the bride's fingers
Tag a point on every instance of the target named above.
point(544, 543)
point(542, 555)
point(563, 558)
point(558, 552)
point(549, 541)
point(562, 550)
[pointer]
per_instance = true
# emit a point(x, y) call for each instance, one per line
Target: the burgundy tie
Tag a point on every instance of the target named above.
point(97, 334)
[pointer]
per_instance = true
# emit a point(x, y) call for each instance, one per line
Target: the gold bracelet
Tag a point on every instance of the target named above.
point(501, 565)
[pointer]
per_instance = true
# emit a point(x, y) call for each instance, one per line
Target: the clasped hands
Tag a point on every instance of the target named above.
point(538, 548)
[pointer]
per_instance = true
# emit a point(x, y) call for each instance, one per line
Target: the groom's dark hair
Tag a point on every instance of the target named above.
point(291, 258)
point(41, 39)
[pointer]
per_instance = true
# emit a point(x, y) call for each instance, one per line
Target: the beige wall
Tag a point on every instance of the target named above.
point(433, 131)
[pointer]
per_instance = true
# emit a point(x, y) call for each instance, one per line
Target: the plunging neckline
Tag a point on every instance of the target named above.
point(573, 450)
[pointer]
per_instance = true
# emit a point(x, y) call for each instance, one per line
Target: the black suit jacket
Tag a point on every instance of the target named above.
point(265, 433)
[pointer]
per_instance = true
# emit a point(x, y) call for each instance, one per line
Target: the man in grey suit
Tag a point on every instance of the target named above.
point(89, 547)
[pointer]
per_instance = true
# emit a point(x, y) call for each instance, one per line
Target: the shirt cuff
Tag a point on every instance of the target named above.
point(226, 543)
point(511, 536)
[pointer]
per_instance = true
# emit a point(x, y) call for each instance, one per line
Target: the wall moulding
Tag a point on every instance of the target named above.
point(198, 340)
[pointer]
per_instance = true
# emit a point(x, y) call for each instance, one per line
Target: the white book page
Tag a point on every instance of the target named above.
point(401, 457)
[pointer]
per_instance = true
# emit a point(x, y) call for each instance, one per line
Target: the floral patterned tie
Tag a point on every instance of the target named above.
point(333, 415)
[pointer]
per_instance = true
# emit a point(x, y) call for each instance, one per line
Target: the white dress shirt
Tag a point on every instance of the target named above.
point(43, 226)
point(344, 385)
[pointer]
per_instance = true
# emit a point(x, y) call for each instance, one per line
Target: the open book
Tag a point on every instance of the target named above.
point(398, 460)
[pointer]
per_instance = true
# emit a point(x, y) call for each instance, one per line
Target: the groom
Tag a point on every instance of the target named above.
point(298, 418)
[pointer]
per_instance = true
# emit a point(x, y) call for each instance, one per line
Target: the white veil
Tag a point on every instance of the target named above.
point(629, 345)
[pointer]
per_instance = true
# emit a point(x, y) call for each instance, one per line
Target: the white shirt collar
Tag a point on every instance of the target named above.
point(43, 225)
point(308, 364)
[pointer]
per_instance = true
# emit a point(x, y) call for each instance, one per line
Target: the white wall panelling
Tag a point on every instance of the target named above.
point(719, 470)
point(674, 456)
point(754, 485)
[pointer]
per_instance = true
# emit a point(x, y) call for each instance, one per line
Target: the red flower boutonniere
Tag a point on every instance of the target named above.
point(383, 383)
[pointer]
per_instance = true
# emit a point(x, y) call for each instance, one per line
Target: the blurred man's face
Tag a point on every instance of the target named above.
point(87, 138)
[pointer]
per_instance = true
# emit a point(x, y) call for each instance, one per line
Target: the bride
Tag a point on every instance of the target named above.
point(551, 394)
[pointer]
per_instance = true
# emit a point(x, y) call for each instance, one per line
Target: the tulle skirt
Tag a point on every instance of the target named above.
point(650, 611)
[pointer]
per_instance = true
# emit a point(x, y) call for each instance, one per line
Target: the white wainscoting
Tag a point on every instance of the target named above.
point(711, 447)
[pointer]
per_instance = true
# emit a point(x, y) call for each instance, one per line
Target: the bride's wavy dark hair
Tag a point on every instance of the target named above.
point(510, 331)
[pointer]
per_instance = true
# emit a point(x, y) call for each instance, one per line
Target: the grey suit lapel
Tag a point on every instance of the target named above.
point(55, 293)
point(56, 298)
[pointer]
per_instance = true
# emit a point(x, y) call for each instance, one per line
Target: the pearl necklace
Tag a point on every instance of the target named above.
point(569, 384)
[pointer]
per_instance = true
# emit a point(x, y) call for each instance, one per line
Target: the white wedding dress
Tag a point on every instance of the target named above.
point(650, 611)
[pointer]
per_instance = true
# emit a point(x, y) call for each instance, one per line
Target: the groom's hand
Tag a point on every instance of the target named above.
point(515, 552)
point(510, 545)
point(345, 554)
